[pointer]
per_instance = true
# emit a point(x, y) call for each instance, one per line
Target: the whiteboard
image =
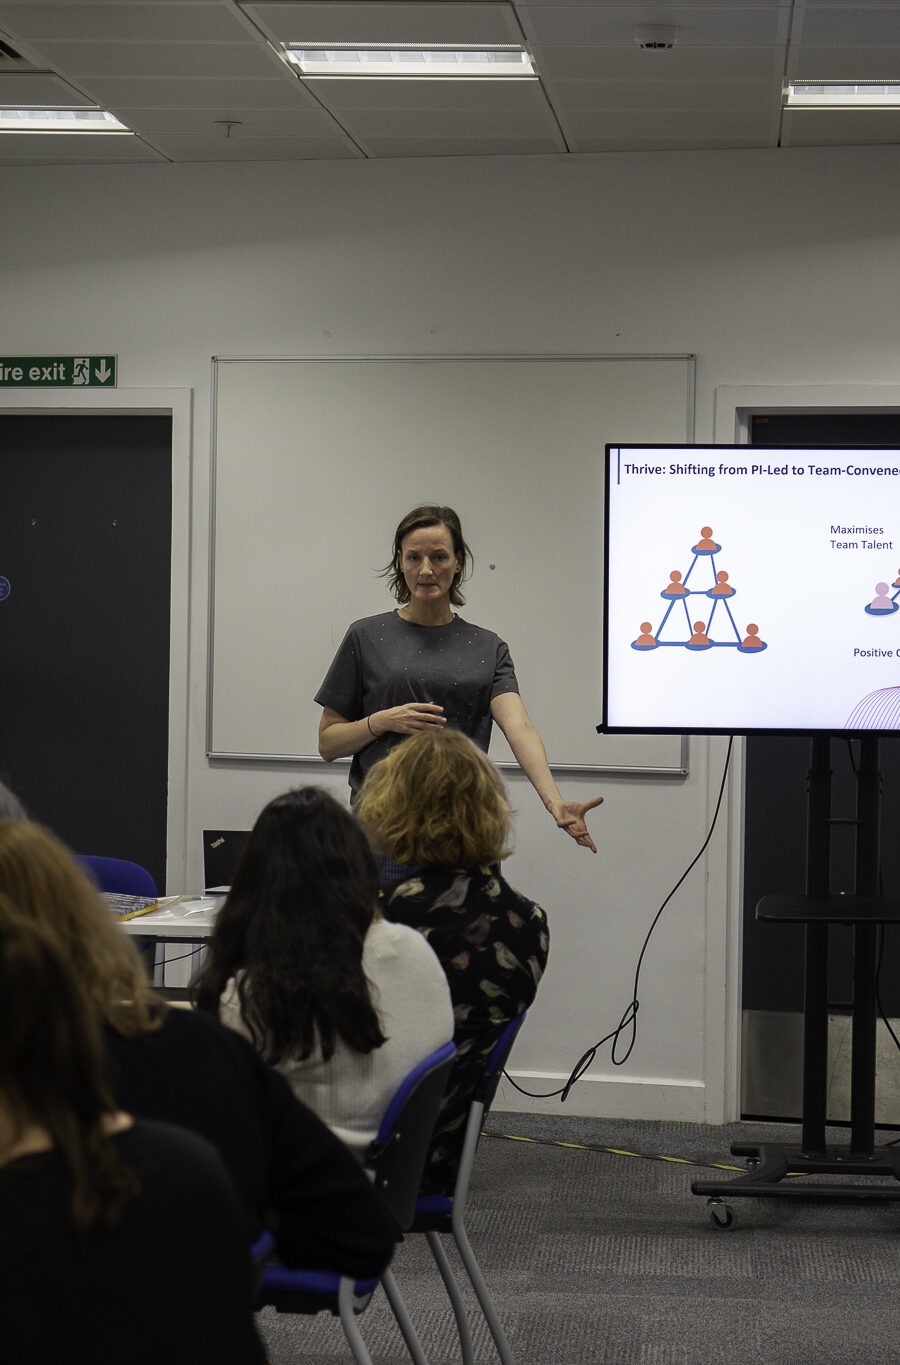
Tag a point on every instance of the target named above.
point(316, 461)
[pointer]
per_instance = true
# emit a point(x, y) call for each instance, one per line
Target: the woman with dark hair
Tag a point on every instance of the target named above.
point(437, 809)
point(422, 668)
point(341, 1002)
point(103, 1215)
point(186, 1068)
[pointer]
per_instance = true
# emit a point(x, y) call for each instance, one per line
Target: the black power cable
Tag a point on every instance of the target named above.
point(629, 1018)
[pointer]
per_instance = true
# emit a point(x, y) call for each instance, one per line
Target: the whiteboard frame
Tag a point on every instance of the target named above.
point(678, 770)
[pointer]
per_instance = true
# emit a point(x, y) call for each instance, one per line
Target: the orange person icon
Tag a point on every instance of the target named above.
point(706, 541)
point(752, 640)
point(646, 639)
point(699, 636)
point(721, 589)
point(896, 582)
point(675, 587)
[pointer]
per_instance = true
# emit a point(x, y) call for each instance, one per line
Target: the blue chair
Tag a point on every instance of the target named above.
point(128, 879)
point(394, 1162)
point(117, 874)
point(437, 1213)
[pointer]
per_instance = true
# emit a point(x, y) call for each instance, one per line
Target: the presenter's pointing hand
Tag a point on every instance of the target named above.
point(569, 815)
point(409, 719)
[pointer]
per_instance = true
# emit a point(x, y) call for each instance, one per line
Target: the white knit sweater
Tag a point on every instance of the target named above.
point(351, 1091)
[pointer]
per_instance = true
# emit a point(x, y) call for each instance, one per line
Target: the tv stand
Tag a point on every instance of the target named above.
point(865, 910)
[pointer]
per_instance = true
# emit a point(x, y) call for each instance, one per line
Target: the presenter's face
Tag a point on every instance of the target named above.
point(428, 563)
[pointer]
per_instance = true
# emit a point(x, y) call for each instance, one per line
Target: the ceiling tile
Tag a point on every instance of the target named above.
point(210, 94)
point(859, 25)
point(38, 89)
point(606, 26)
point(249, 148)
point(413, 96)
point(689, 124)
point(197, 60)
point(45, 149)
point(842, 63)
point(308, 121)
point(681, 64)
point(375, 22)
point(754, 96)
point(489, 145)
point(90, 22)
point(837, 127)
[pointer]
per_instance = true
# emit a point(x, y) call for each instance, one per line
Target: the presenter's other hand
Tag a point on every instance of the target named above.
point(569, 815)
point(409, 719)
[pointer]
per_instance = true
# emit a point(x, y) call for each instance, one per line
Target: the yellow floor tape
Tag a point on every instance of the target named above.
point(616, 1151)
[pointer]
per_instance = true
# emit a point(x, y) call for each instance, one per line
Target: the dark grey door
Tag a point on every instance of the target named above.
point(85, 545)
point(775, 845)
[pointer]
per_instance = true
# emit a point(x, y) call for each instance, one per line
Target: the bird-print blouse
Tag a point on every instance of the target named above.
point(492, 942)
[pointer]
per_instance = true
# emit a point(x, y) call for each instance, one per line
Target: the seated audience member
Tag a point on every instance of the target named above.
point(437, 808)
point(291, 1173)
point(122, 1239)
point(343, 1003)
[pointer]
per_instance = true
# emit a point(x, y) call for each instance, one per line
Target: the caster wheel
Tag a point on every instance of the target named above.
point(721, 1215)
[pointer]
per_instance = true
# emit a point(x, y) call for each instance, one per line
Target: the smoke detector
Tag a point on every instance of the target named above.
point(656, 37)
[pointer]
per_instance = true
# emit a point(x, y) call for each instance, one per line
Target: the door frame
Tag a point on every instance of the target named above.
point(733, 407)
point(155, 402)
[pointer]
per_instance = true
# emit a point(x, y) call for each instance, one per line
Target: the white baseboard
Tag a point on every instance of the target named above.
point(606, 1097)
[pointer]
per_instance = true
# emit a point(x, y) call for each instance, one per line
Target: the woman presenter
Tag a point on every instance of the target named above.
point(422, 667)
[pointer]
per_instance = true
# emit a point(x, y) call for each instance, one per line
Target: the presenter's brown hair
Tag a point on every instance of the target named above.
point(437, 801)
point(44, 883)
point(429, 514)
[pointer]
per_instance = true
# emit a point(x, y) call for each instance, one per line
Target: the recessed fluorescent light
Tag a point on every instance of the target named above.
point(843, 95)
point(58, 120)
point(405, 61)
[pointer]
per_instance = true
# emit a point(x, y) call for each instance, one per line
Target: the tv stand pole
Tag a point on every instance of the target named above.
point(865, 910)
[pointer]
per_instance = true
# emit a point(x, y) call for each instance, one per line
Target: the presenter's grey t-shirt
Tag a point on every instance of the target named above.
point(384, 661)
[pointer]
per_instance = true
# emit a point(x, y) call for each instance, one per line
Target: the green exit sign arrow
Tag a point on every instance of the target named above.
point(58, 372)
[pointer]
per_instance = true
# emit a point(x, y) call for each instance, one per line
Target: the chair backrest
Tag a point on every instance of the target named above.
point(487, 1086)
point(396, 1158)
point(117, 874)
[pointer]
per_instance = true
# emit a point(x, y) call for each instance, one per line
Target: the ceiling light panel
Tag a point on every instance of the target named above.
point(842, 95)
point(84, 121)
point(412, 63)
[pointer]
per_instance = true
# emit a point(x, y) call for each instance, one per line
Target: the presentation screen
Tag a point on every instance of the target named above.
point(752, 589)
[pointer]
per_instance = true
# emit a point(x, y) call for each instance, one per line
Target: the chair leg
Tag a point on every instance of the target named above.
point(348, 1322)
point(462, 1322)
point(473, 1270)
point(404, 1322)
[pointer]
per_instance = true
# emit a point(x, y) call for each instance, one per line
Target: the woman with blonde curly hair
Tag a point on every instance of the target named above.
point(437, 813)
point(188, 1069)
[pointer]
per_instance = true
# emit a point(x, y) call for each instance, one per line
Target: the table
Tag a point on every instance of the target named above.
point(178, 918)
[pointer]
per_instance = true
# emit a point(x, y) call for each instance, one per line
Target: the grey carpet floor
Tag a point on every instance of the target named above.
point(595, 1258)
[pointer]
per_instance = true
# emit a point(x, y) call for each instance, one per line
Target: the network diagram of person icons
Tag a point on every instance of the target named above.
point(884, 603)
point(711, 632)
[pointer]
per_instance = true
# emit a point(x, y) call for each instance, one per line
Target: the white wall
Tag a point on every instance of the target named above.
point(776, 268)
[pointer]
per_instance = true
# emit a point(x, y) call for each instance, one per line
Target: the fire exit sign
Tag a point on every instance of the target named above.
point(58, 371)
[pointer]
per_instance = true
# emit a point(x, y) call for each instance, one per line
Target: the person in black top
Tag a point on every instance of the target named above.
point(291, 1173)
point(422, 667)
point(107, 1221)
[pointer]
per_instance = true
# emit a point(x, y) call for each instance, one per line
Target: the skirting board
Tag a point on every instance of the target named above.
point(609, 1097)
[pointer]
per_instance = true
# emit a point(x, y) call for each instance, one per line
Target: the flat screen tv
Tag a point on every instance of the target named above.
point(751, 589)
